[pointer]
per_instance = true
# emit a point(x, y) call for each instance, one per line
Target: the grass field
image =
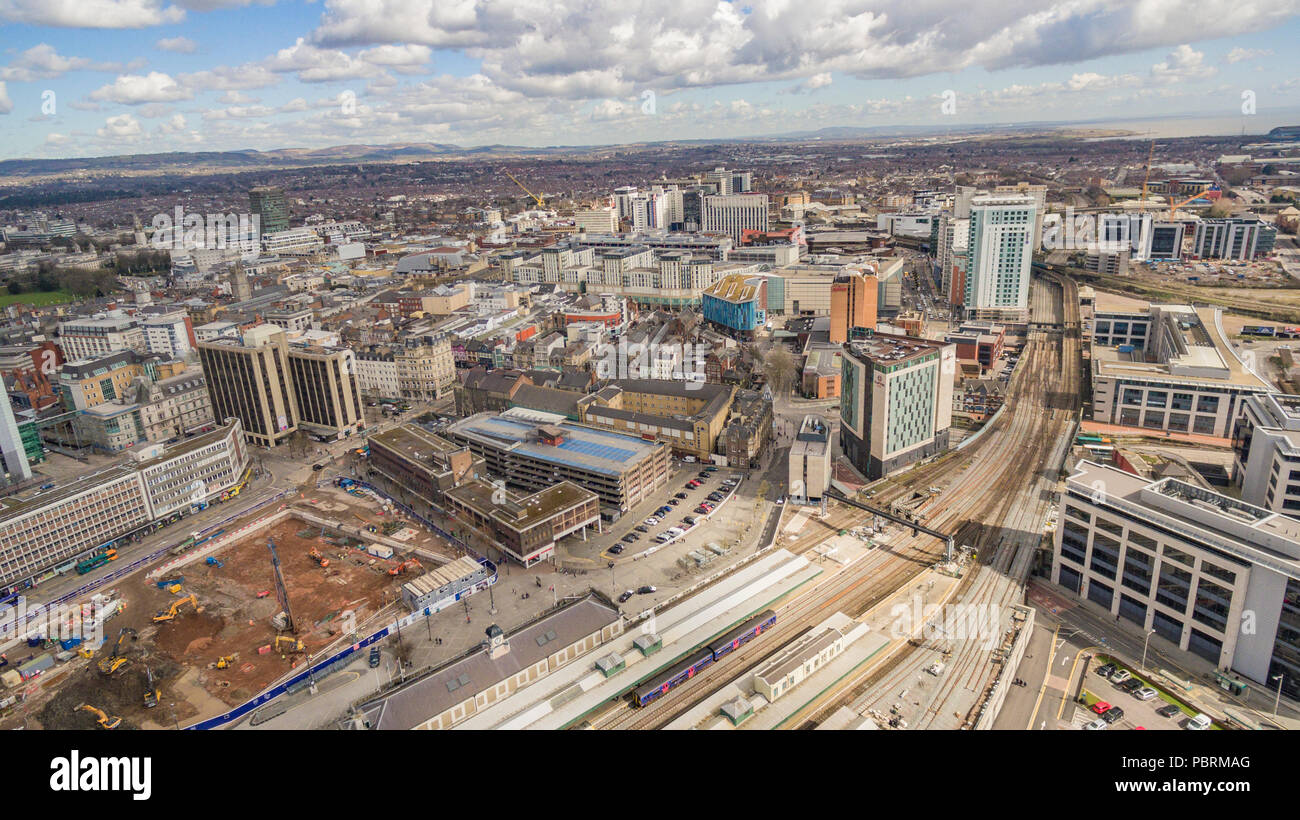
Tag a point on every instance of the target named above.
point(53, 297)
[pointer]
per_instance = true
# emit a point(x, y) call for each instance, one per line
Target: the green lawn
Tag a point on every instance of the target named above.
point(53, 297)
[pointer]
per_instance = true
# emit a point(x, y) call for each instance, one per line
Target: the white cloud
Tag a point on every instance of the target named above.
point(43, 62)
point(177, 45)
point(54, 139)
point(136, 89)
point(316, 65)
point(813, 83)
point(230, 78)
point(1238, 55)
point(90, 13)
point(122, 126)
point(1182, 64)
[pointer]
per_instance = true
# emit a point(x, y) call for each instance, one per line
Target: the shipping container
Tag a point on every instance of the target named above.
point(380, 551)
point(36, 666)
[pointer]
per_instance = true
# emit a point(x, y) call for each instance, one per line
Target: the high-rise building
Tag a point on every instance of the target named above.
point(86, 338)
point(999, 256)
point(1266, 450)
point(170, 334)
point(733, 214)
point(853, 304)
point(1039, 194)
point(596, 220)
point(270, 207)
point(810, 461)
point(12, 451)
point(248, 379)
point(327, 391)
point(895, 401)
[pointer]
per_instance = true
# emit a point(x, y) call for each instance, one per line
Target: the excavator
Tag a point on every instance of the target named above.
point(151, 692)
point(226, 661)
point(115, 660)
point(295, 644)
point(409, 564)
point(318, 558)
point(104, 721)
point(172, 611)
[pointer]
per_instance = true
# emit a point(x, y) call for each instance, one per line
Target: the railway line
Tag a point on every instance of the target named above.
point(988, 486)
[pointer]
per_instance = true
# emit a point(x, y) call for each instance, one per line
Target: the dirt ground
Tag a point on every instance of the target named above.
point(182, 653)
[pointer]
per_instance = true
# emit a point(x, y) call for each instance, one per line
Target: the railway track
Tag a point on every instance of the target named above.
point(1042, 399)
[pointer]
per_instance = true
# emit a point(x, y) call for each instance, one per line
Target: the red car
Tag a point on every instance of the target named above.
point(692, 484)
point(1101, 707)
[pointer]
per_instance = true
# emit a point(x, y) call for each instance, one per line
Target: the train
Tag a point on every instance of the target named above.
point(706, 655)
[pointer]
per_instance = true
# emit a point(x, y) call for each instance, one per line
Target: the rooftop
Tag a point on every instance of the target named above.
point(888, 349)
point(583, 447)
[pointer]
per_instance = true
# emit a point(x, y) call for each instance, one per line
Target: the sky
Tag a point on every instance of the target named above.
point(102, 77)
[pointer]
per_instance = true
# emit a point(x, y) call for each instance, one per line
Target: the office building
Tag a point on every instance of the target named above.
point(87, 338)
point(999, 255)
point(738, 303)
point(1266, 452)
point(1216, 577)
point(13, 452)
point(689, 416)
point(248, 379)
point(1169, 368)
point(854, 295)
point(734, 214)
point(596, 220)
point(270, 207)
point(48, 533)
point(1241, 238)
point(327, 393)
point(895, 401)
point(170, 335)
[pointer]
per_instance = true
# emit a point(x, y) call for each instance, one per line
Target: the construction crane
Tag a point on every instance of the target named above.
point(173, 610)
point(540, 203)
point(104, 721)
point(281, 592)
point(151, 691)
point(114, 661)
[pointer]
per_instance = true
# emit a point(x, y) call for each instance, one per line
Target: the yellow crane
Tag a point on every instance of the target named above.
point(114, 661)
point(172, 611)
point(540, 203)
point(104, 721)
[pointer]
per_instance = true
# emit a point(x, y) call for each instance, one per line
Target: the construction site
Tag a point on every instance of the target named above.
point(210, 629)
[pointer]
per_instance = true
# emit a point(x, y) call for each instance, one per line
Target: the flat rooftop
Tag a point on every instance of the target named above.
point(585, 448)
point(414, 443)
point(887, 349)
point(1206, 347)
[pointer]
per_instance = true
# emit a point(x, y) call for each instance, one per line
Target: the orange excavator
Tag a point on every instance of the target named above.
point(405, 566)
point(318, 558)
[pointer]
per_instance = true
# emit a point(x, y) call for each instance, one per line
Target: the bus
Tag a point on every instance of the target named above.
point(95, 561)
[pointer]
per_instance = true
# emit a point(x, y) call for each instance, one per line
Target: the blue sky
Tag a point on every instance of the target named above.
point(94, 77)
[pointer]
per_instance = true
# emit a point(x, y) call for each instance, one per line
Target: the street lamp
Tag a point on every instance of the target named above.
point(1278, 700)
point(1150, 632)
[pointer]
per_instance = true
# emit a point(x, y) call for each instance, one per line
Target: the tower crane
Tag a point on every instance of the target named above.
point(540, 203)
point(281, 592)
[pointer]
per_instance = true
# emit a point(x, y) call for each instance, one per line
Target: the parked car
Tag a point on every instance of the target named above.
point(1101, 707)
point(1199, 723)
point(1106, 670)
point(1121, 676)
point(1096, 724)
point(710, 469)
point(651, 521)
point(703, 474)
point(622, 599)
point(1145, 693)
point(715, 496)
point(682, 495)
point(1130, 686)
point(641, 528)
point(647, 589)
point(1169, 710)
point(629, 538)
point(701, 510)
point(374, 656)
point(672, 502)
point(616, 549)
point(690, 519)
point(1113, 715)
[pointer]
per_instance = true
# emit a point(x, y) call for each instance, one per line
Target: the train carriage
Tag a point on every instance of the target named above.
point(684, 670)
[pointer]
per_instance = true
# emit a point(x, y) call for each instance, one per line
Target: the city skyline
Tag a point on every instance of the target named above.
point(143, 76)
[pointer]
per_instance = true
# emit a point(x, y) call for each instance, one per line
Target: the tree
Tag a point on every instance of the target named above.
point(778, 366)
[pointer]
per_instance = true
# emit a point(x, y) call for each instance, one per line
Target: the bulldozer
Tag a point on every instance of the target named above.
point(104, 721)
point(172, 611)
point(318, 558)
point(409, 564)
point(115, 660)
point(295, 644)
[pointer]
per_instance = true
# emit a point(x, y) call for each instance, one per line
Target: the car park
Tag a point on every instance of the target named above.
point(1121, 676)
point(1145, 693)
point(1113, 715)
point(1169, 710)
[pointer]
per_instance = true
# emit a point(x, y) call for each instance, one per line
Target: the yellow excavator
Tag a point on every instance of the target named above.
point(104, 721)
point(226, 661)
point(172, 611)
point(114, 661)
point(295, 644)
point(151, 692)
